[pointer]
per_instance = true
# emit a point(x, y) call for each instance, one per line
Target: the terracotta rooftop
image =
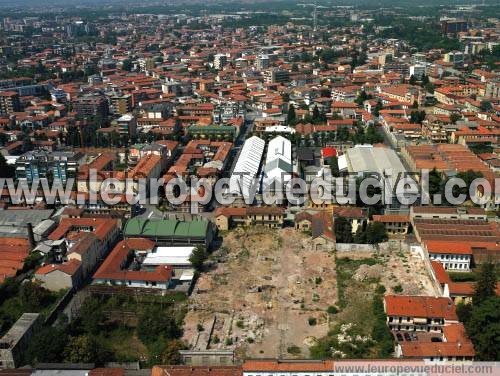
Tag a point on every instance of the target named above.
point(420, 306)
point(112, 267)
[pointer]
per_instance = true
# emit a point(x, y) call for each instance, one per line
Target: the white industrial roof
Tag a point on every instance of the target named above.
point(278, 166)
point(247, 166)
point(366, 159)
point(279, 129)
point(169, 256)
point(279, 147)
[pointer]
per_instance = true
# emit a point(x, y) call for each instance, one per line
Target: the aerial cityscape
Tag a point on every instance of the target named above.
point(249, 188)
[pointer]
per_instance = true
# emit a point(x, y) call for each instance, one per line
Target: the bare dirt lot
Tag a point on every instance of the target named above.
point(270, 291)
point(264, 296)
point(399, 271)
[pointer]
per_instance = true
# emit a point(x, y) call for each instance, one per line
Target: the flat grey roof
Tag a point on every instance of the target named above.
point(16, 332)
point(370, 159)
point(13, 222)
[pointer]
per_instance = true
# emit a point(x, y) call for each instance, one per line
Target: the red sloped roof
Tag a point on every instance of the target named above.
point(420, 306)
point(329, 152)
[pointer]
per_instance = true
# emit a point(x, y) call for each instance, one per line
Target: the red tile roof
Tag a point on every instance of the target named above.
point(112, 267)
point(283, 366)
point(70, 267)
point(176, 370)
point(420, 306)
point(440, 273)
point(436, 349)
point(101, 227)
point(13, 251)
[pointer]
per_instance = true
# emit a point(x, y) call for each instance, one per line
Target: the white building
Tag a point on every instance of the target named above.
point(219, 61)
point(279, 129)
point(383, 164)
point(174, 256)
point(417, 71)
point(278, 166)
point(247, 167)
point(453, 255)
point(262, 62)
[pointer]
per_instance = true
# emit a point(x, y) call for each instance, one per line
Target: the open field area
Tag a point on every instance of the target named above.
point(358, 329)
point(264, 294)
point(270, 292)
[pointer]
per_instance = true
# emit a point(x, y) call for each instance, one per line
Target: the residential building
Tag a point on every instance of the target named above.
point(9, 103)
point(272, 217)
point(453, 347)
point(395, 224)
point(123, 268)
point(91, 106)
point(419, 313)
point(220, 60)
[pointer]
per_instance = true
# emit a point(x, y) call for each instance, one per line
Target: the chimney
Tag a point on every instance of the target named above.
point(31, 236)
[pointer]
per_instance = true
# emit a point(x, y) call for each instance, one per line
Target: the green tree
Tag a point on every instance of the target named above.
point(291, 117)
point(127, 65)
point(342, 134)
point(6, 170)
point(198, 257)
point(373, 234)
point(34, 297)
point(171, 353)
point(155, 323)
point(483, 329)
point(424, 80)
point(486, 283)
point(343, 230)
point(468, 177)
point(454, 118)
point(47, 346)
point(334, 166)
point(380, 330)
point(82, 349)
point(486, 106)
point(429, 87)
point(316, 115)
point(378, 107)
point(362, 97)
point(413, 80)
point(435, 182)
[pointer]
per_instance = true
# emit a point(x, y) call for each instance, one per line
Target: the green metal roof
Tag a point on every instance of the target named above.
point(212, 128)
point(138, 146)
point(165, 228)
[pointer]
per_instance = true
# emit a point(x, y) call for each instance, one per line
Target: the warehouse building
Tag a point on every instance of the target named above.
point(278, 167)
point(167, 232)
point(247, 168)
point(381, 163)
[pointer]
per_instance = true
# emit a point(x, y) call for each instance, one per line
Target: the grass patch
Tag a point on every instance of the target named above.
point(359, 328)
point(121, 328)
point(346, 268)
point(471, 276)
